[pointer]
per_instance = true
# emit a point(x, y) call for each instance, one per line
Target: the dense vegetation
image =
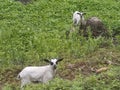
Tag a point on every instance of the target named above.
point(37, 30)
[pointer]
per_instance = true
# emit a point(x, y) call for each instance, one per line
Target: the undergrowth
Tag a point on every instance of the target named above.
point(36, 30)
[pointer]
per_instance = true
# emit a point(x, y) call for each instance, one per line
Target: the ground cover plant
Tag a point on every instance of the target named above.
point(30, 32)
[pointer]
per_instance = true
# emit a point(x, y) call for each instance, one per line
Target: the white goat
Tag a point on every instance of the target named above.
point(77, 17)
point(38, 73)
point(76, 21)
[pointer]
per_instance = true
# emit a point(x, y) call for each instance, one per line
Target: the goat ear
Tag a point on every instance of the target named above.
point(46, 60)
point(79, 13)
point(60, 59)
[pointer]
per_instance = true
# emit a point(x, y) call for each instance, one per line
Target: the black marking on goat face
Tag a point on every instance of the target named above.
point(81, 14)
point(55, 66)
point(51, 63)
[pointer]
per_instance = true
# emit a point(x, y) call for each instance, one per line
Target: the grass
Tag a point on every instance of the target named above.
point(34, 31)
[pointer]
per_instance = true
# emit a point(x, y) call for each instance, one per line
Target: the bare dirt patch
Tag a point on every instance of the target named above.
point(8, 76)
point(94, 63)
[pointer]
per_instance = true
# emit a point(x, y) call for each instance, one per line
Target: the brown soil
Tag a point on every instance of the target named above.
point(9, 76)
point(94, 63)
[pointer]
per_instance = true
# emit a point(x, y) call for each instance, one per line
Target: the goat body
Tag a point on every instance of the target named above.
point(38, 73)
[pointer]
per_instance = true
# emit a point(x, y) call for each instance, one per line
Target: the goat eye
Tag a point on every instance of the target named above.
point(51, 63)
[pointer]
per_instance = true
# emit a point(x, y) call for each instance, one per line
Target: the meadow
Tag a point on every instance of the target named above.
point(37, 30)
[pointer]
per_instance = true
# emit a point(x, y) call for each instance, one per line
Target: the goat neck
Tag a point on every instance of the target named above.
point(82, 21)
